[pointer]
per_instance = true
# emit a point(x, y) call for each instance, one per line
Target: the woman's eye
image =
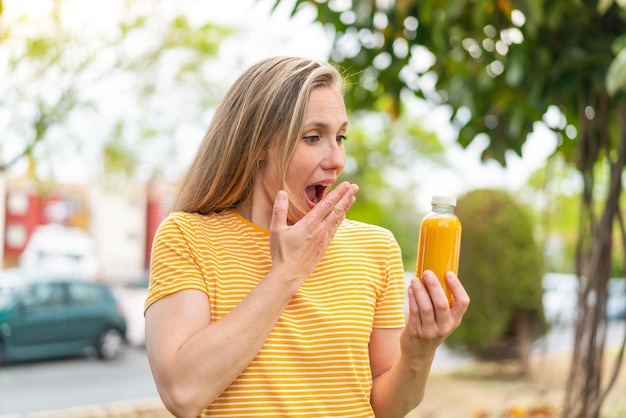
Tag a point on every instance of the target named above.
point(311, 139)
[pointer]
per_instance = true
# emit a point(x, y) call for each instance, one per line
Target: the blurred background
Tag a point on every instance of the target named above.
point(102, 106)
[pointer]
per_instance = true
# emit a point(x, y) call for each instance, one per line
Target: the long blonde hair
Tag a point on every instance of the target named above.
point(266, 103)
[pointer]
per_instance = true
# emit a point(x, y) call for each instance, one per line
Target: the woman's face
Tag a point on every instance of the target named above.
point(319, 155)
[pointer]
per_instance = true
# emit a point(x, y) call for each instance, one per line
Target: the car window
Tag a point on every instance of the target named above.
point(84, 294)
point(7, 295)
point(45, 295)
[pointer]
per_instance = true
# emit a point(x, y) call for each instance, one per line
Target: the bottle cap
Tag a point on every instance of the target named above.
point(443, 200)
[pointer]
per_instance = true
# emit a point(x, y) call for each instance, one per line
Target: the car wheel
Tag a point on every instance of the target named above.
point(111, 344)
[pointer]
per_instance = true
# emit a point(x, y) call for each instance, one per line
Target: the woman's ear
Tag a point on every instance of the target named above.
point(262, 157)
point(260, 160)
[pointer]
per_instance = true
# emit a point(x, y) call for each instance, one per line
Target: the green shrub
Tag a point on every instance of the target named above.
point(501, 269)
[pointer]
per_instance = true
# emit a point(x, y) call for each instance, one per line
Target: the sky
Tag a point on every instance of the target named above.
point(262, 33)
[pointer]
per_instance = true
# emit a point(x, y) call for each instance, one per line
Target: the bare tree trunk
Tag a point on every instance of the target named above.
point(583, 398)
point(595, 409)
point(523, 328)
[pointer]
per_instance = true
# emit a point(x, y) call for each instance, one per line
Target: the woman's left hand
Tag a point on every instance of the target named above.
point(431, 318)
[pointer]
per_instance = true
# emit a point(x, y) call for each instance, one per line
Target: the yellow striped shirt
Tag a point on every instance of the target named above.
point(315, 362)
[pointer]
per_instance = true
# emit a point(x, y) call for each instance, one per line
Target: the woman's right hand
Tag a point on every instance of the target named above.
point(297, 249)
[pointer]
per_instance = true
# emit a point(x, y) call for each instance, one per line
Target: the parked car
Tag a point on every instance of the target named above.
point(560, 297)
point(61, 250)
point(131, 298)
point(59, 318)
point(616, 301)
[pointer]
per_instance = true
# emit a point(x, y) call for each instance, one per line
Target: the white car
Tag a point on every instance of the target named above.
point(131, 299)
point(57, 250)
point(616, 299)
point(560, 297)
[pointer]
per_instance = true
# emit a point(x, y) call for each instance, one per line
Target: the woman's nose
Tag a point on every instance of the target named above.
point(335, 156)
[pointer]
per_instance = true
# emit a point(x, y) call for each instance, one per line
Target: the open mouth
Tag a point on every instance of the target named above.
point(316, 192)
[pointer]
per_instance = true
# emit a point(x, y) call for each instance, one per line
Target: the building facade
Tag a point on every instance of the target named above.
point(121, 222)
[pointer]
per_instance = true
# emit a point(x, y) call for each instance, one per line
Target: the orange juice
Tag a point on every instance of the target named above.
point(440, 241)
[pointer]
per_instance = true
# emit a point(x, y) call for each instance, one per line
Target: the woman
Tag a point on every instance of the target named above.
point(264, 300)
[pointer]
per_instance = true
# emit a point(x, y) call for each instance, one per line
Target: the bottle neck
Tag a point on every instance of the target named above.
point(443, 209)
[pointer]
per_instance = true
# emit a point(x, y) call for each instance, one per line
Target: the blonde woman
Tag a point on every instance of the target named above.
point(264, 300)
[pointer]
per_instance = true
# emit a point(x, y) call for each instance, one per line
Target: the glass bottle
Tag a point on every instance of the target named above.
point(439, 243)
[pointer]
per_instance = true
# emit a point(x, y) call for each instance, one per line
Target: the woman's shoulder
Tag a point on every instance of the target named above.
point(187, 220)
point(186, 217)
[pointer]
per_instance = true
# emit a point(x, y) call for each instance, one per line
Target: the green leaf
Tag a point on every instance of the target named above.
point(604, 6)
point(620, 42)
point(39, 47)
point(616, 74)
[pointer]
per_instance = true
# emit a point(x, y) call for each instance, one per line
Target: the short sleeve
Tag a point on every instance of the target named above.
point(173, 263)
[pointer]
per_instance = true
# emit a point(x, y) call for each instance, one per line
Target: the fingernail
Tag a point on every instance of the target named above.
point(282, 195)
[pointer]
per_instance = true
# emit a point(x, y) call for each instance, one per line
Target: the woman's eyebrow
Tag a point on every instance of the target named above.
point(322, 125)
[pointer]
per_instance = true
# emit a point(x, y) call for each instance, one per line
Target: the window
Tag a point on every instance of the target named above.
point(84, 294)
point(45, 295)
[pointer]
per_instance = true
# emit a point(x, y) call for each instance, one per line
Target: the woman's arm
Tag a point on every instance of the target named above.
point(401, 359)
point(193, 361)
